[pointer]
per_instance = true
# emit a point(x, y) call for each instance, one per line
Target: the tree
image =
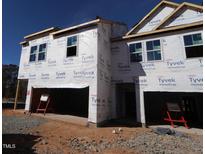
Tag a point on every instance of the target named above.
point(9, 80)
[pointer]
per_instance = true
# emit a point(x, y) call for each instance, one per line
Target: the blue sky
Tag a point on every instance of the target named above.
point(22, 17)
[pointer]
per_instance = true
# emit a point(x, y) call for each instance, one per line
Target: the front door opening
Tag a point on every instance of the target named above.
point(126, 101)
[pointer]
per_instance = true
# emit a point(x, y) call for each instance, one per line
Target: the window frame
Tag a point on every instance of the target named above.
point(142, 52)
point(160, 49)
point(37, 53)
point(45, 51)
point(184, 46)
point(77, 46)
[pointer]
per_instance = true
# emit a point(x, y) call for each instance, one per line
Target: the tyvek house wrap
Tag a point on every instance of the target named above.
point(57, 71)
point(173, 73)
point(105, 103)
point(91, 67)
point(104, 109)
point(100, 64)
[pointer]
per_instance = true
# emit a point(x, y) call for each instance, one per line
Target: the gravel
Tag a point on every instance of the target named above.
point(148, 143)
point(16, 131)
point(156, 141)
point(20, 124)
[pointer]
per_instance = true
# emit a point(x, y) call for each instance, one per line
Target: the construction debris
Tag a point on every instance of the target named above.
point(168, 131)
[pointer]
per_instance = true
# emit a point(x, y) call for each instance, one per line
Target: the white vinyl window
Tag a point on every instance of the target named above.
point(38, 53)
point(193, 45)
point(153, 50)
point(71, 46)
point(42, 52)
point(135, 52)
point(33, 53)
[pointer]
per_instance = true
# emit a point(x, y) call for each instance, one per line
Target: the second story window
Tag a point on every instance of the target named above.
point(33, 54)
point(193, 45)
point(71, 46)
point(135, 52)
point(42, 52)
point(153, 50)
point(38, 53)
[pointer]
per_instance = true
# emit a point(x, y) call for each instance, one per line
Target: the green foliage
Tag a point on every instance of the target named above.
point(9, 80)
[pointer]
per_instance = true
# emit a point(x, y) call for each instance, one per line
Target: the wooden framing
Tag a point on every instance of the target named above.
point(56, 31)
point(41, 32)
point(39, 109)
point(75, 27)
point(17, 92)
point(181, 27)
point(163, 2)
point(84, 25)
point(165, 29)
point(193, 6)
point(23, 42)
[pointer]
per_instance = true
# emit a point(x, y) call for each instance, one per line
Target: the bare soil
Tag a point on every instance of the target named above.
point(50, 136)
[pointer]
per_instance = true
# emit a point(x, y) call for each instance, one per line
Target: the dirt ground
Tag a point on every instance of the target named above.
point(52, 136)
point(58, 137)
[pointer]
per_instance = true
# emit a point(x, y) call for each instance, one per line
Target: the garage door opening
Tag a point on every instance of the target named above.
point(191, 104)
point(69, 101)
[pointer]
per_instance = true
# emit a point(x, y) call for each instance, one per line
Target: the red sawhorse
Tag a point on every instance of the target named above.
point(175, 114)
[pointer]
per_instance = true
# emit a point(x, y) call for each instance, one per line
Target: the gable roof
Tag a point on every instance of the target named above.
point(181, 6)
point(163, 2)
point(164, 30)
point(168, 29)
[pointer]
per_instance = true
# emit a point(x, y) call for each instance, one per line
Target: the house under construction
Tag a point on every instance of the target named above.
point(102, 71)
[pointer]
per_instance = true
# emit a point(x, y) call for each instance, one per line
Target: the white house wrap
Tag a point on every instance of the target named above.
point(103, 60)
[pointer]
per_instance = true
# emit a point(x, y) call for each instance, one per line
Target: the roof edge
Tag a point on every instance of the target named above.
point(41, 32)
point(175, 11)
point(23, 42)
point(76, 26)
point(151, 12)
point(174, 28)
point(85, 24)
